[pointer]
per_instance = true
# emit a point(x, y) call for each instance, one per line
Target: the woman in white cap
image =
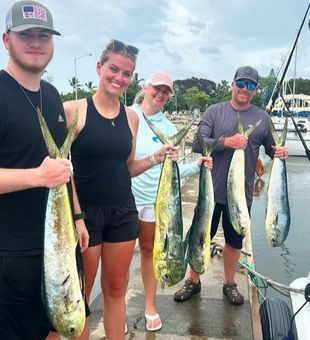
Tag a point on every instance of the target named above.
point(150, 101)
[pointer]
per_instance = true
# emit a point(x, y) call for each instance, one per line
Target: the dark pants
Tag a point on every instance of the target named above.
point(232, 238)
point(22, 314)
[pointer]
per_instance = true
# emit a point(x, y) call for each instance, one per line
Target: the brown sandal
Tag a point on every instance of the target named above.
point(189, 288)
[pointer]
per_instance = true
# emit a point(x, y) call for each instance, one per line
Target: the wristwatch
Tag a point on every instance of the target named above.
point(79, 216)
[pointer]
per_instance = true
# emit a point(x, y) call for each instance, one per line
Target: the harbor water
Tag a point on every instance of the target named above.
point(291, 260)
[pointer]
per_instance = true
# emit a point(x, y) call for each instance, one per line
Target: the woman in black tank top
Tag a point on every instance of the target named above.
point(103, 161)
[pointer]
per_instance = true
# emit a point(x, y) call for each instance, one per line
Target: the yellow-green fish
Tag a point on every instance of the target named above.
point(61, 282)
point(169, 248)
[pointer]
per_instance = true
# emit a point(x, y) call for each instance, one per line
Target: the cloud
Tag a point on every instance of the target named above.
point(200, 38)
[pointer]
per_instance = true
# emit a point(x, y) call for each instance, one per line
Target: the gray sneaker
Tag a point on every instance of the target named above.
point(232, 293)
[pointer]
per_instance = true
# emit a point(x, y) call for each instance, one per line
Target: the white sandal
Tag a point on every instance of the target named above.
point(152, 318)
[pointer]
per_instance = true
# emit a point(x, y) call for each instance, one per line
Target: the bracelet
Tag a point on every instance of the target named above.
point(79, 216)
point(153, 160)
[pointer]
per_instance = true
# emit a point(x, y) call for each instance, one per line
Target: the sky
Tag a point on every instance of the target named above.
point(187, 38)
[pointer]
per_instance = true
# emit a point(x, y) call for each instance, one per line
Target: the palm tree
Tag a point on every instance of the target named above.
point(90, 87)
point(133, 89)
point(75, 84)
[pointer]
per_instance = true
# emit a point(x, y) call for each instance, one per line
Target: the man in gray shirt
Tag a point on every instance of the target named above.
point(221, 120)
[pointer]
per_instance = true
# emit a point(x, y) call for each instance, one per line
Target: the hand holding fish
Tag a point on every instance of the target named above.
point(280, 151)
point(168, 149)
point(207, 161)
point(54, 172)
point(82, 234)
point(237, 141)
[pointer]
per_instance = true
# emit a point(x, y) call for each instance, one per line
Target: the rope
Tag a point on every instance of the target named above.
point(285, 290)
point(260, 282)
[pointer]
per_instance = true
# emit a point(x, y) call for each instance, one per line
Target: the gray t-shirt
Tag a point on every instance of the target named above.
point(221, 120)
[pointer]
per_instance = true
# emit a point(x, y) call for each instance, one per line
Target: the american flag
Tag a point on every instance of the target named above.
point(34, 12)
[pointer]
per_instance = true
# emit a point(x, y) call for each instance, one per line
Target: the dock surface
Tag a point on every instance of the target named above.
point(207, 315)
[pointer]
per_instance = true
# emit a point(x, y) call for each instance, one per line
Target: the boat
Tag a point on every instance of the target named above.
point(293, 141)
point(302, 123)
point(278, 320)
point(299, 105)
point(300, 306)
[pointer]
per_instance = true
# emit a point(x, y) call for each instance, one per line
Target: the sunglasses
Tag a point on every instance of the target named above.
point(116, 45)
point(251, 86)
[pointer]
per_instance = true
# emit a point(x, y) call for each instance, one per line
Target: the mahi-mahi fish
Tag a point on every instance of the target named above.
point(236, 199)
point(199, 233)
point(278, 216)
point(169, 247)
point(61, 283)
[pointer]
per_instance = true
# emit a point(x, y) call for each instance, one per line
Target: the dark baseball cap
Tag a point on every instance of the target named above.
point(24, 15)
point(246, 72)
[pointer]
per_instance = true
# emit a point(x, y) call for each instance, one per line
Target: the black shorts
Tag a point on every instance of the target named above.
point(111, 223)
point(232, 238)
point(22, 314)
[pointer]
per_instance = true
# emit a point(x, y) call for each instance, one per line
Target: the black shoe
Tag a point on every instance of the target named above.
point(232, 293)
point(189, 288)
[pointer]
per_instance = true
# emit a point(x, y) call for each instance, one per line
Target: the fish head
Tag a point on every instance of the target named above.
point(170, 271)
point(71, 322)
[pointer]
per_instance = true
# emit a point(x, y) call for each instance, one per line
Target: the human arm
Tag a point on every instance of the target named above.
point(138, 166)
point(50, 174)
point(79, 223)
point(192, 169)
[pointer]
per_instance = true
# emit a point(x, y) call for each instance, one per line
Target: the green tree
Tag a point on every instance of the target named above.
point(222, 92)
point(133, 89)
point(90, 87)
point(197, 98)
point(301, 85)
point(75, 84)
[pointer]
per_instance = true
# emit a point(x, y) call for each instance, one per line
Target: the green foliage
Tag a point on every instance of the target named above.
point(133, 89)
point(196, 98)
point(191, 92)
point(301, 86)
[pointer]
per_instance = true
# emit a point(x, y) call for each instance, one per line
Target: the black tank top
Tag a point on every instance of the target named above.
point(99, 157)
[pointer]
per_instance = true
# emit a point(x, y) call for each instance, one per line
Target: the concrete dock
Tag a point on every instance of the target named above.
point(207, 315)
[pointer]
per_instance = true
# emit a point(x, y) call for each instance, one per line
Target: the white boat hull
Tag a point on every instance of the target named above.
point(303, 317)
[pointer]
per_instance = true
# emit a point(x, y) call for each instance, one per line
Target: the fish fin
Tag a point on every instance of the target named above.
point(166, 244)
point(201, 240)
point(48, 138)
point(64, 150)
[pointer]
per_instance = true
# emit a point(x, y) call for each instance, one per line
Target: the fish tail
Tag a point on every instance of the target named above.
point(284, 132)
point(176, 138)
point(48, 138)
point(64, 151)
